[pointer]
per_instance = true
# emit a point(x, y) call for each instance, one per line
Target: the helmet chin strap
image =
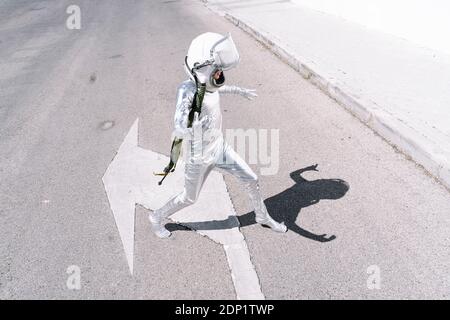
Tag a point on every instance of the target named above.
point(191, 71)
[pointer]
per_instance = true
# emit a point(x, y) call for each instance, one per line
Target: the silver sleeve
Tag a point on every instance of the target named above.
point(231, 89)
point(185, 96)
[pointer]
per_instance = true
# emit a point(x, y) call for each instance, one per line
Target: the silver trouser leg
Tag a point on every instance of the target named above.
point(194, 177)
point(232, 163)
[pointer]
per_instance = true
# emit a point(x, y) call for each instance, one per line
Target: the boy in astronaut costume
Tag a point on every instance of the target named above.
point(208, 56)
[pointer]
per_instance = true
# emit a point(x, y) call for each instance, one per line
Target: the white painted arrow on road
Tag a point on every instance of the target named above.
point(129, 181)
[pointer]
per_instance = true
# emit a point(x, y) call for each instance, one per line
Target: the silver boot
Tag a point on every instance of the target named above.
point(272, 224)
point(157, 218)
point(157, 224)
point(261, 215)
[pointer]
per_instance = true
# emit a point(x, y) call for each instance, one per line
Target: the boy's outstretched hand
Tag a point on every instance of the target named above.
point(250, 94)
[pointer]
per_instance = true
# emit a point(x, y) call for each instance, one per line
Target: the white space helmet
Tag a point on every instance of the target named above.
point(208, 53)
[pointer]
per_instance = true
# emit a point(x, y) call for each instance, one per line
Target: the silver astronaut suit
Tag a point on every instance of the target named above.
point(205, 147)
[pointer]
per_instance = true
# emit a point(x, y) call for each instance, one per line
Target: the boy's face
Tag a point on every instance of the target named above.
point(217, 74)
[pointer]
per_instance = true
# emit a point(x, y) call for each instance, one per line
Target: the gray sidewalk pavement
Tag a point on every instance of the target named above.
point(396, 87)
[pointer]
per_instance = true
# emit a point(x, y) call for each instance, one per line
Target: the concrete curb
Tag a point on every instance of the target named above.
point(402, 137)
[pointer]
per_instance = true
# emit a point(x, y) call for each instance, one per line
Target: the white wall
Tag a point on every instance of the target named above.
point(424, 22)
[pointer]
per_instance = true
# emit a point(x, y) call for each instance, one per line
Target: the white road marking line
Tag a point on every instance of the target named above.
point(129, 181)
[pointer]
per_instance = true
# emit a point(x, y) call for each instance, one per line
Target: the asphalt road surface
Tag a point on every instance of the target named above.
point(368, 224)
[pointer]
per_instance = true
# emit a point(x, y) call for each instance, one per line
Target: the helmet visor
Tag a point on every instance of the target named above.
point(225, 53)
